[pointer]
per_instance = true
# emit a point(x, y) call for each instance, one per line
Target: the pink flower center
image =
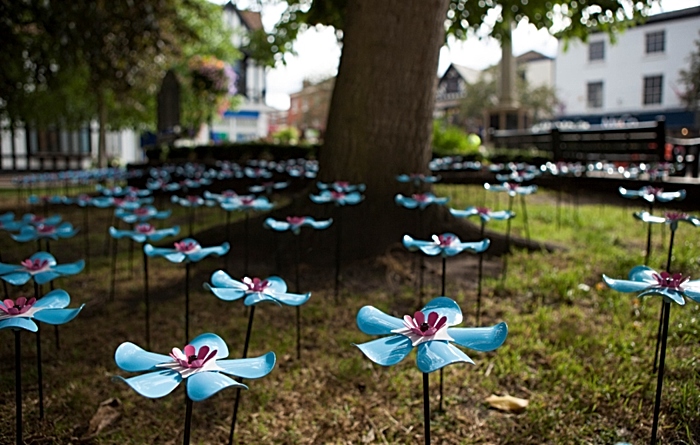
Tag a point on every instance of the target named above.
point(296, 220)
point(511, 186)
point(483, 210)
point(229, 194)
point(141, 211)
point(674, 281)
point(18, 306)
point(45, 229)
point(650, 190)
point(416, 176)
point(185, 246)
point(145, 229)
point(193, 199)
point(34, 265)
point(247, 201)
point(256, 284)
point(191, 358)
point(445, 240)
point(421, 197)
point(337, 195)
point(341, 184)
point(676, 216)
point(425, 327)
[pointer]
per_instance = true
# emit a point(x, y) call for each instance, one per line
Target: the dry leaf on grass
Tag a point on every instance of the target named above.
point(508, 404)
point(106, 414)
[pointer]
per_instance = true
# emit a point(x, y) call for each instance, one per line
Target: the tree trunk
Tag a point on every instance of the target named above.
point(102, 131)
point(380, 122)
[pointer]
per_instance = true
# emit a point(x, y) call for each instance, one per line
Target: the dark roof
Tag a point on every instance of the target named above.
point(531, 56)
point(251, 19)
point(673, 15)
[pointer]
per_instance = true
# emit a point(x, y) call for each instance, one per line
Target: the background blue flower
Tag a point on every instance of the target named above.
point(49, 309)
point(42, 266)
point(254, 290)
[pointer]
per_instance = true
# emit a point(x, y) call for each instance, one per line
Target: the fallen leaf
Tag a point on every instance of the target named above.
point(507, 403)
point(107, 413)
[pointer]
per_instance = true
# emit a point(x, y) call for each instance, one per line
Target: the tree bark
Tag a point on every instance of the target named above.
point(102, 131)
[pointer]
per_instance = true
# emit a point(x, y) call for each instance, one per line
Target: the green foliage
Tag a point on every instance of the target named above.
point(451, 140)
point(690, 80)
point(577, 19)
point(286, 136)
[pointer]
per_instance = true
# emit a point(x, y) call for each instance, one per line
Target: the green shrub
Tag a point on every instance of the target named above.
point(449, 140)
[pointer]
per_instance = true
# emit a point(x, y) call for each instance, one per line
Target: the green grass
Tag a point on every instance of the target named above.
point(578, 351)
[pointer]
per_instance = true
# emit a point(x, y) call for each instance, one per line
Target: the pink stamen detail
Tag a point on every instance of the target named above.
point(296, 220)
point(191, 358)
point(422, 327)
point(142, 211)
point(45, 229)
point(676, 216)
point(34, 265)
point(656, 191)
point(145, 229)
point(17, 307)
point(247, 201)
point(674, 281)
point(483, 210)
point(337, 195)
point(445, 240)
point(185, 246)
point(342, 184)
point(256, 284)
point(420, 197)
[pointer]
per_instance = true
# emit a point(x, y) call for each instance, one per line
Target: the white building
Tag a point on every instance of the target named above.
point(635, 79)
point(248, 121)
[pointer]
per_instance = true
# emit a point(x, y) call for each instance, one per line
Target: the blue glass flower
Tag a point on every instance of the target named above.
point(646, 281)
point(247, 203)
point(127, 202)
point(41, 266)
point(21, 313)
point(338, 198)
point(518, 176)
point(186, 250)
point(418, 178)
point(670, 218)
point(268, 187)
point(141, 214)
point(118, 192)
point(7, 217)
point(295, 223)
point(45, 231)
point(53, 199)
point(193, 201)
point(82, 200)
point(257, 172)
point(430, 329)
point(652, 194)
point(225, 196)
point(446, 245)
point(144, 232)
point(341, 186)
point(30, 219)
point(483, 213)
point(254, 290)
point(200, 363)
point(511, 188)
point(419, 200)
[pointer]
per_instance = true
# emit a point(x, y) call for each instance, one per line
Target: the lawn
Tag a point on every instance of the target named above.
point(579, 352)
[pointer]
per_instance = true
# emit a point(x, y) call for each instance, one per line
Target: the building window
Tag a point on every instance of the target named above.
point(595, 95)
point(656, 42)
point(596, 51)
point(452, 84)
point(653, 90)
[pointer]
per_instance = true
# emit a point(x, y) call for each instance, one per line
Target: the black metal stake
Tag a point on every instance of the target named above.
point(508, 226)
point(18, 389)
point(660, 377)
point(115, 245)
point(4, 284)
point(298, 290)
point(481, 271)
point(188, 419)
point(238, 390)
point(525, 221)
point(338, 238)
point(426, 407)
point(187, 302)
point(228, 237)
point(39, 372)
point(421, 261)
point(245, 245)
point(131, 258)
point(659, 333)
point(647, 254)
point(107, 235)
point(191, 222)
point(148, 304)
point(86, 238)
point(444, 268)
